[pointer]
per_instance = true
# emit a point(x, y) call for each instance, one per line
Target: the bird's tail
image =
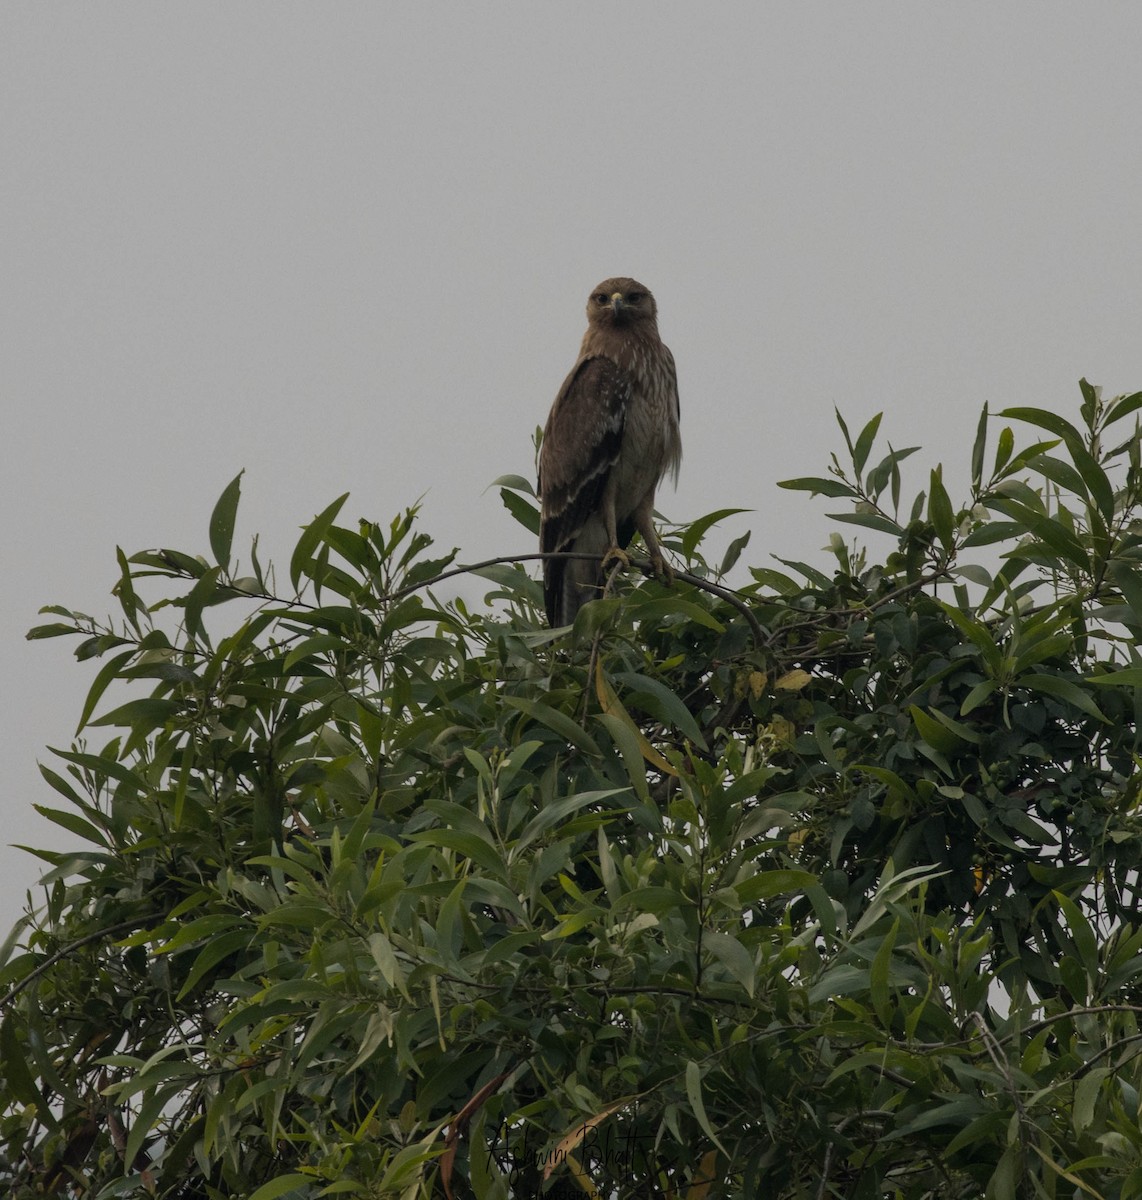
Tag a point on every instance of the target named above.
point(571, 582)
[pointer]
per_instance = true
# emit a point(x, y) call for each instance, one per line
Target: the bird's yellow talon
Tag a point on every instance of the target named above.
point(662, 570)
point(615, 555)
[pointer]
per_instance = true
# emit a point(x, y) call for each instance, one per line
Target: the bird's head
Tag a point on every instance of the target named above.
point(621, 301)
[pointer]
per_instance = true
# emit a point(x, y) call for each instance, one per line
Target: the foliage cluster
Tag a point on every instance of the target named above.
point(826, 885)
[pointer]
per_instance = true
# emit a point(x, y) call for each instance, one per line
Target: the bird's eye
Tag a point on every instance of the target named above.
point(635, 297)
point(599, 298)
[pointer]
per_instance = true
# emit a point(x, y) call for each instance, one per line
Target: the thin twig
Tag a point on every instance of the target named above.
point(642, 565)
point(71, 948)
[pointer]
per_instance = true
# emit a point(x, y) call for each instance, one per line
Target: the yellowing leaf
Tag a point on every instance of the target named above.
point(793, 681)
point(613, 706)
point(704, 1178)
point(781, 731)
point(572, 1138)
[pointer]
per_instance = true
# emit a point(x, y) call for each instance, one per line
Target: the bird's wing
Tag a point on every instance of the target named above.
point(581, 444)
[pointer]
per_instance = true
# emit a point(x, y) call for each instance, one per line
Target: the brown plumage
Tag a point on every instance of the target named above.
point(610, 438)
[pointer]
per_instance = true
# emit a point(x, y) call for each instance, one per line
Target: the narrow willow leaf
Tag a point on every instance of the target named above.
point(1123, 407)
point(819, 487)
point(525, 513)
point(698, 529)
point(18, 1078)
point(694, 1094)
point(578, 1132)
point(978, 449)
point(556, 721)
point(777, 882)
point(661, 702)
point(1064, 689)
point(869, 520)
point(282, 1185)
point(222, 521)
point(864, 443)
point(99, 684)
point(879, 976)
point(313, 534)
point(940, 511)
point(146, 713)
point(614, 707)
point(733, 553)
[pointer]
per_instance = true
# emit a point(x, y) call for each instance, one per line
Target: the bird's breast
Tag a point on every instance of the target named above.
point(650, 445)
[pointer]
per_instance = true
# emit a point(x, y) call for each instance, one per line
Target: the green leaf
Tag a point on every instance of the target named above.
point(1059, 472)
point(1123, 407)
point(471, 847)
point(879, 976)
point(1050, 421)
point(1123, 677)
point(555, 814)
point(204, 593)
point(767, 884)
point(991, 532)
point(940, 511)
point(222, 521)
point(212, 954)
point(99, 684)
point(978, 449)
point(525, 513)
point(888, 470)
point(1063, 689)
point(869, 521)
point(844, 428)
point(864, 443)
point(657, 699)
point(819, 487)
point(1086, 943)
point(516, 483)
point(1049, 530)
point(964, 732)
point(281, 1186)
point(312, 536)
point(61, 785)
point(55, 629)
point(732, 955)
point(73, 823)
point(125, 590)
point(936, 734)
point(698, 529)
point(733, 553)
point(673, 604)
point(1022, 824)
point(1003, 449)
point(146, 713)
point(147, 1115)
point(1086, 1097)
point(18, 1078)
point(694, 1094)
point(1088, 468)
point(558, 722)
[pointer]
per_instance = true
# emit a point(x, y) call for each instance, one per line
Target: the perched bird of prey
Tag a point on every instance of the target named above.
point(610, 438)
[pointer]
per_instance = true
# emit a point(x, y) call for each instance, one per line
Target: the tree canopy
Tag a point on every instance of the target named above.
point(824, 884)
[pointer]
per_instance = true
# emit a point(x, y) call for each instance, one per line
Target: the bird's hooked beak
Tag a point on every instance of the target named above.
point(617, 306)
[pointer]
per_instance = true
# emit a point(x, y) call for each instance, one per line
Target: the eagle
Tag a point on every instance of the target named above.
point(611, 436)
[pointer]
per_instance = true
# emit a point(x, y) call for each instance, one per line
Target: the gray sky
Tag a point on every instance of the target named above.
point(348, 247)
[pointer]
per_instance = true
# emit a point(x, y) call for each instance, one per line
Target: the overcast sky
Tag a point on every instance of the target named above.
point(348, 247)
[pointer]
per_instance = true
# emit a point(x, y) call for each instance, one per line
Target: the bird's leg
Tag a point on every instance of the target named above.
point(644, 523)
point(614, 552)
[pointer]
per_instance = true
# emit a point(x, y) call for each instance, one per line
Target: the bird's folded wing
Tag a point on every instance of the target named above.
point(581, 445)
